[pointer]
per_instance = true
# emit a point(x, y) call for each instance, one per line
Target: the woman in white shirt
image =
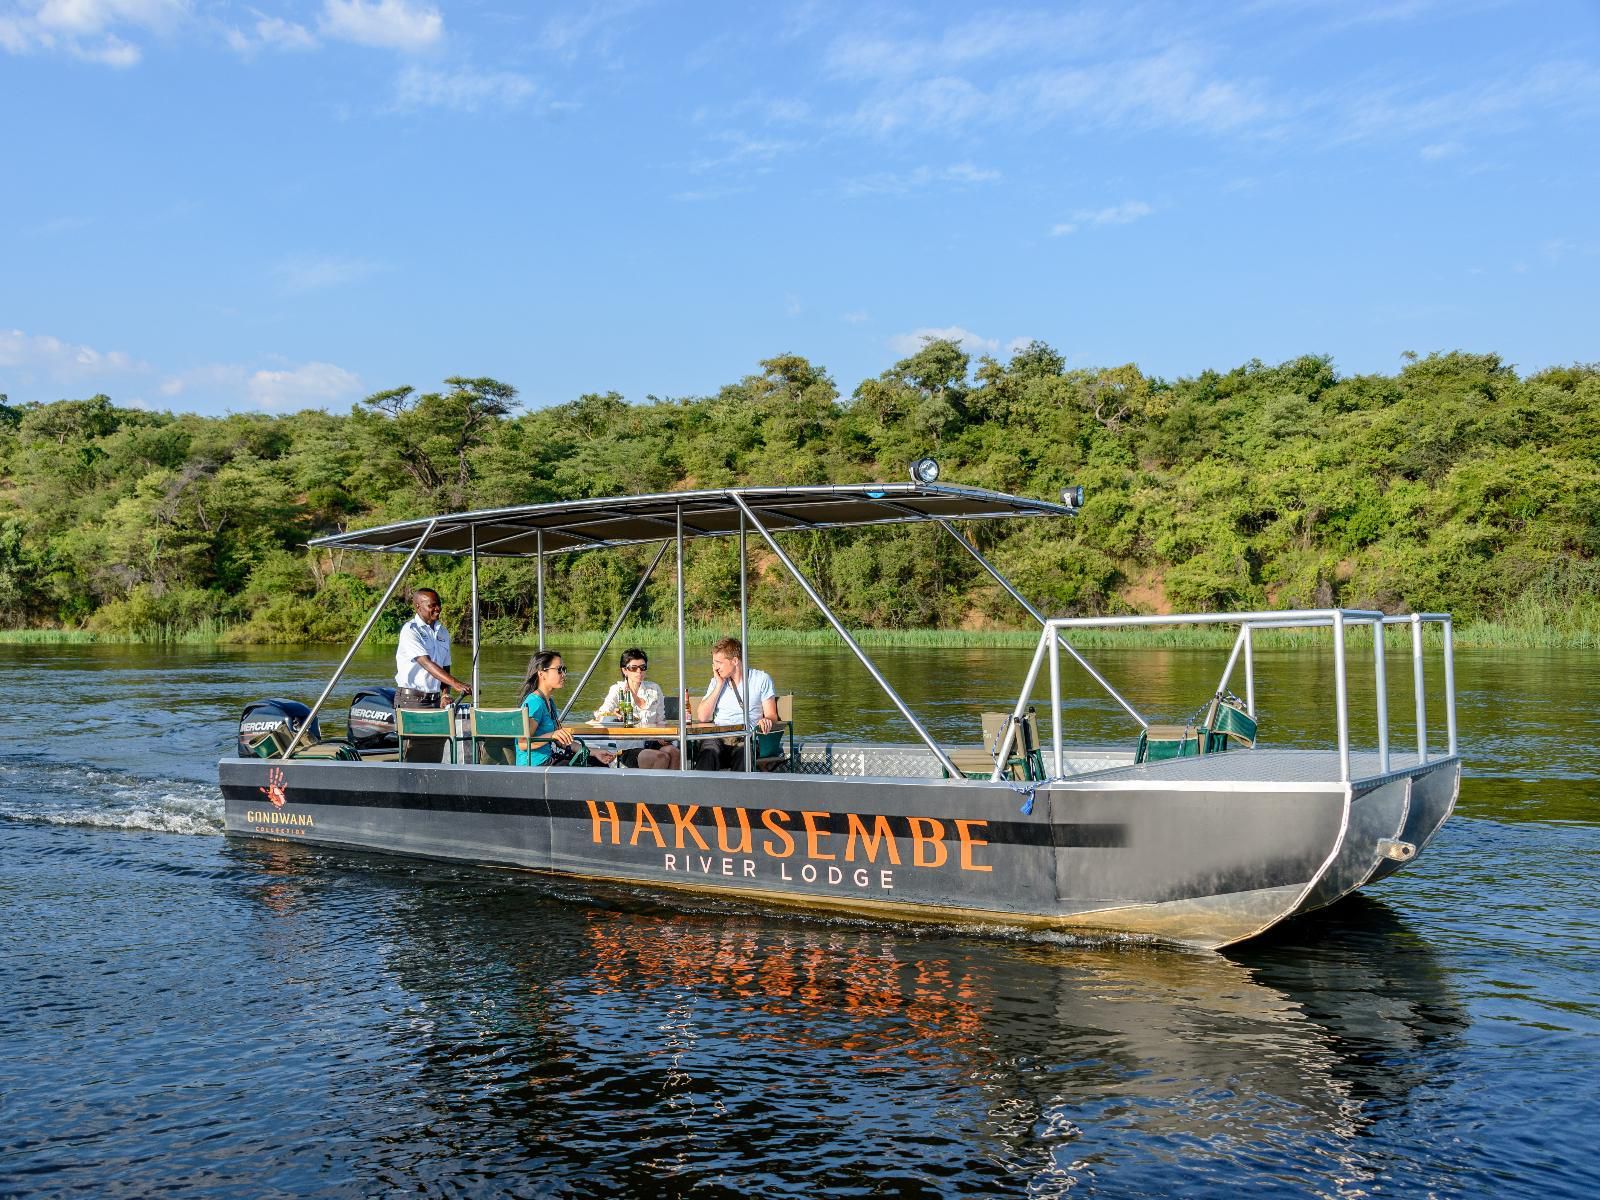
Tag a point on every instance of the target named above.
point(649, 708)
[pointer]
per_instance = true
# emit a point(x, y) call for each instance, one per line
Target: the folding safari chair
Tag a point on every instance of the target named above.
point(1024, 760)
point(770, 754)
point(495, 733)
point(424, 725)
point(1224, 724)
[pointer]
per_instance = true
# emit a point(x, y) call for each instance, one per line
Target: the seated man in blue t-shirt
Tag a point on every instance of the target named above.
point(733, 693)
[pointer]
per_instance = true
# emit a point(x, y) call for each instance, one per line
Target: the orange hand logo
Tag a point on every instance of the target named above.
point(275, 790)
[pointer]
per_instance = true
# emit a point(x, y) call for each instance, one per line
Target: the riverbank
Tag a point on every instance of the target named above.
point(1533, 631)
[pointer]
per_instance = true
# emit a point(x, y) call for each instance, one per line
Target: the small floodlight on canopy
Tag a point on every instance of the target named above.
point(1072, 496)
point(924, 470)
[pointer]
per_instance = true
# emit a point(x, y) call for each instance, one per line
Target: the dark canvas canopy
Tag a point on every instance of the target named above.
point(627, 520)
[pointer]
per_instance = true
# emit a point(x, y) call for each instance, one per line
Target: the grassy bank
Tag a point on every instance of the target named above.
point(1532, 628)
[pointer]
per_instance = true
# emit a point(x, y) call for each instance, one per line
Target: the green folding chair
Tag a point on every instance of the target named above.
point(418, 725)
point(1224, 724)
point(495, 732)
point(770, 754)
point(1025, 760)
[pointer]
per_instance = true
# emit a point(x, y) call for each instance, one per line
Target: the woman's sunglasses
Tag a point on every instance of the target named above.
point(637, 667)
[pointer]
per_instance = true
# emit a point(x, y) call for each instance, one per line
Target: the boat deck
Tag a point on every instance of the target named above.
point(1114, 766)
point(1311, 767)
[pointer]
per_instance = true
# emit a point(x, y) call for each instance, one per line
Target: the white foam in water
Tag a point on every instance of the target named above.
point(57, 794)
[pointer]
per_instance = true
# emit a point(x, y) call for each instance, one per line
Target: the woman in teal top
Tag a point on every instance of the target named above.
point(547, 674)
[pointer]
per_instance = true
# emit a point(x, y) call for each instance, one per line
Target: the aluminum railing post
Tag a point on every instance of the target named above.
point(362, 636)
point(1004, 752)
point(1055, 703)
point(1449, 685)
point(474, 615)
point(539, 583)
point(1233, 659)
point(683, 677)
point(1249, 670)
point(1419, 683)
point(475, 642)
point(1341, 696)
point(744, 633)
point(1380, 683)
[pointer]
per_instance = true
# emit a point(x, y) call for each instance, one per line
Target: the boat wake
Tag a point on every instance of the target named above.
point(64, 794)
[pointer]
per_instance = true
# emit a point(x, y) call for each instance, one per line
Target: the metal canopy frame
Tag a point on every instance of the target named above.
point(724, 512)
point(539, 529)
point(876, 504)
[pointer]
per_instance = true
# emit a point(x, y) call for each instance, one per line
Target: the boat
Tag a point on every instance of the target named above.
point(1200, 834)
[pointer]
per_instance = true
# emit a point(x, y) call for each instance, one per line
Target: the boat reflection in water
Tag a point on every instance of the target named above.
point(595, 1031)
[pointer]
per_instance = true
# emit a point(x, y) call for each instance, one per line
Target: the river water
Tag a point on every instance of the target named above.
point(188, 1014)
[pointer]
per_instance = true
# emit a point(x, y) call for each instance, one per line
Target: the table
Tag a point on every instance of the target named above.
point(665, 733)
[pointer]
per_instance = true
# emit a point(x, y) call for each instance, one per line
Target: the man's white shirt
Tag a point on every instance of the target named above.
point(416, 639)
point(757, 687)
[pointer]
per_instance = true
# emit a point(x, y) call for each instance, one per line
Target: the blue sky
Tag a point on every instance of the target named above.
point(235, 207)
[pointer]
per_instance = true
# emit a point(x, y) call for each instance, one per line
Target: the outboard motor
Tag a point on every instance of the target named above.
point(372, 720)
point(263, 716)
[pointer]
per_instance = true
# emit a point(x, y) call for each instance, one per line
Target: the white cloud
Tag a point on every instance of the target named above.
point(272, 33)
point(1564, 87)
point(696, 195)
point(110, 51)
point(387, 24)
point(1117, 214)
point(42, 367)
point(85, 29)
point(308, 273)
point(56, 226)
point(892, 183)
point(787, 111)
point(43, 357)
point(596, 23)
point(227, 385)
point(991, 36)
point(859, 317)
point(85, 18)
point(1018, 344)
point(462, 89)
point(310, 386)
point(1174, 89)
point(1439, 151)
point(218, 380)
point(1562, 249)
point(907, 344)
point(743, 151)
point(1105, 68)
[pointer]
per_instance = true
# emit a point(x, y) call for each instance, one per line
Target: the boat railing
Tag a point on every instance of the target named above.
point(1053, 640)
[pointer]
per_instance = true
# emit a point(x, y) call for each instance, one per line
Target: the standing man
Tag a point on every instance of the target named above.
point(732, 693)
point(422, 668)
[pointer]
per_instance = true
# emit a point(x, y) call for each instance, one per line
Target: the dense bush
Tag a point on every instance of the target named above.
point(1454, 484)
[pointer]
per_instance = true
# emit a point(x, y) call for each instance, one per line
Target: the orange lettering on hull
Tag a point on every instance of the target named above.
point(932, 840)
point(772, 818)
point(870, 840)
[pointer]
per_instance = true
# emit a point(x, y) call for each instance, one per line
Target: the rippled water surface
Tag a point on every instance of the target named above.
point(188, 1014)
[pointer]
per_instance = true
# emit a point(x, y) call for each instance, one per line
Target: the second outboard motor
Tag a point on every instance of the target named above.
point(372, 720)
point(264, 716)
